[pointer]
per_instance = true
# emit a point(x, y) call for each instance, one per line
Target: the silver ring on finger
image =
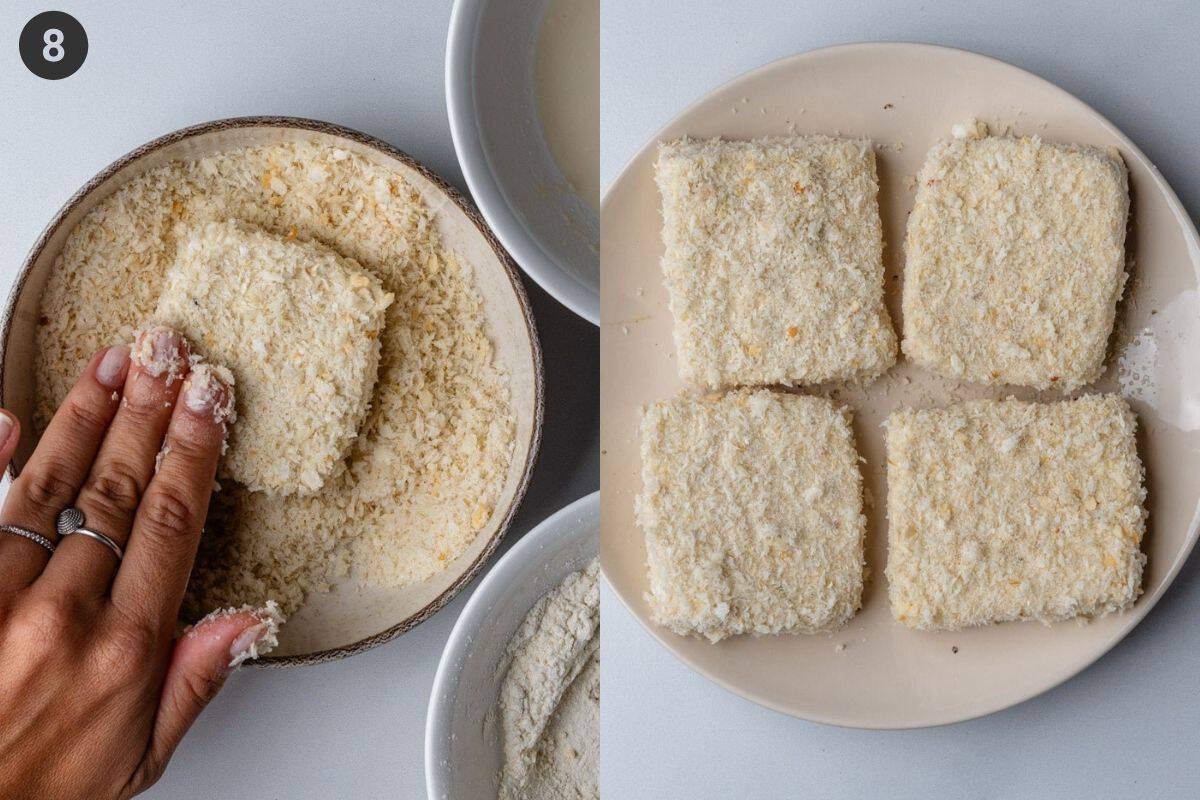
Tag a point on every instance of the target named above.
point(71, 521)
point(32, 536)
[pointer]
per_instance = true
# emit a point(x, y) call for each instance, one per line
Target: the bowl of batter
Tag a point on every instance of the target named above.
point(523, 97)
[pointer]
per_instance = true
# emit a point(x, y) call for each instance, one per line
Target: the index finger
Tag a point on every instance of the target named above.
point(152, 579)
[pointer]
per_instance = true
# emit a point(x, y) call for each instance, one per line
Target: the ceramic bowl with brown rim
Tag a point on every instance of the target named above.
point(352, 617)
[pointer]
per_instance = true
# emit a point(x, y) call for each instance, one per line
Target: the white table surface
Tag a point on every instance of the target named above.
point(353, 728)
point(1126, 727)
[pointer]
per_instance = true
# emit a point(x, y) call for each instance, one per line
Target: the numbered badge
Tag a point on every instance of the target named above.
point(53, 45)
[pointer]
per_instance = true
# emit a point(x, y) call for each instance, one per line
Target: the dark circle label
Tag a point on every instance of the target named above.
point(53, 45)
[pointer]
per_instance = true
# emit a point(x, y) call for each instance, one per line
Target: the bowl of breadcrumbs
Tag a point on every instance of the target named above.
point(386, 366)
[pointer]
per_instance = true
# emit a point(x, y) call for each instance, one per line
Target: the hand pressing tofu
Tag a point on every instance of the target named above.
point(298, 326)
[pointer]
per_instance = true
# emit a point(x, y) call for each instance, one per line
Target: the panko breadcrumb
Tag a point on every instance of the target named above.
point(1005, 510)
point(774, 260)
point(1015, 260)
point(432, 455)
point(298, 325)
point(752, 510)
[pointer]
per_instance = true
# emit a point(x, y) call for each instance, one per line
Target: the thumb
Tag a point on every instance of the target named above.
point(203, 658)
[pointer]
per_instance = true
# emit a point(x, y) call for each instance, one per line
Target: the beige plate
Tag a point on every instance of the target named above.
point(904, 97)
point(351, 618)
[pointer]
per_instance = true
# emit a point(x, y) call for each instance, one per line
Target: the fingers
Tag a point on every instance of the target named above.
point(124, 465)
point(201, 662)
point(59, 465)
point(166, 530)
point(10, 434)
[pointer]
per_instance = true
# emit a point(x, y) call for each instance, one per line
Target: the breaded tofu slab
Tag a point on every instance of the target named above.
point(1007, 510)
point(773, 260)
point(752, 511)
point(1015, 260)
point(298, 326)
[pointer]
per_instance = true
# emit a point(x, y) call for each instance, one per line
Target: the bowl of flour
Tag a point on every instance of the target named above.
point(515, 708)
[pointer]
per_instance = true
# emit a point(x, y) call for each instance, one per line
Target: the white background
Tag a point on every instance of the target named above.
point(1126, 727)
point(353, 728)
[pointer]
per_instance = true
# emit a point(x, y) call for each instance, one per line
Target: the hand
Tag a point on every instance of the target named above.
point(95, 692)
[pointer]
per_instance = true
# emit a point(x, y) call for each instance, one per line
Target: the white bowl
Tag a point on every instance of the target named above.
point(462, 743)
point(548, 229)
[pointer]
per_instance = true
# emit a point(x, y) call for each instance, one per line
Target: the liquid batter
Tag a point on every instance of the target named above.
point(567, 76)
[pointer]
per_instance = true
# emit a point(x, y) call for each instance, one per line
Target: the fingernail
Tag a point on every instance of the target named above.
point(111, 369)
point(158, 350)
point(209, 390)
point(255, 641)
point(6, 427)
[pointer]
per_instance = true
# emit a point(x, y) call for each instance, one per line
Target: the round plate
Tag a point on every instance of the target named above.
point(876, 673)
point(462, 743)
point(352, 617)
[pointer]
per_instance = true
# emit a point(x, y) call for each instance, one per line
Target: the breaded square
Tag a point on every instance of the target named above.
point(298, 326)
point(752, 510)
point(1015, 260)
point(774, 260)
point(1007, 510)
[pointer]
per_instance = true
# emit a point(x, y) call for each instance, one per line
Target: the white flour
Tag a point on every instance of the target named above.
point(549, 705)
